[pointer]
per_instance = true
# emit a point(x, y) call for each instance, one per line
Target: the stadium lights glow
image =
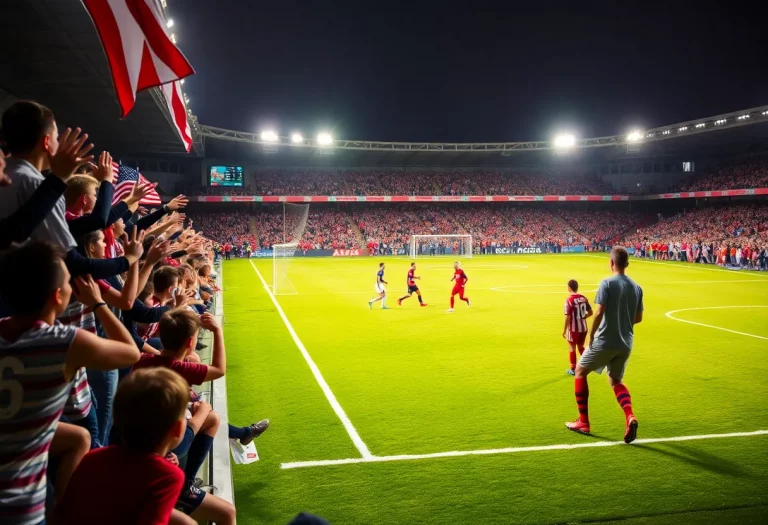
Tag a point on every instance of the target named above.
point(742, 117)
point(635, 136)
point(700, 125)
point(173, 38)
point(765, 113)
point(564, 141)
point(650, 135)
point(269, 136)
point(182, 81)
point(169, 23)
point(296, 138)
point(684, 128)
point(720, 121)
point(666, 132)
point(324, 139)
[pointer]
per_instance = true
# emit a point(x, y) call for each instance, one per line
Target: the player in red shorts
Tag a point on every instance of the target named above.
point(410, 281)
point(577, 311)
point(461, 279)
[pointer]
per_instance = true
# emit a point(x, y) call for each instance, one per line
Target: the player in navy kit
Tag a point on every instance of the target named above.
point(380, 289)
point(412, 287)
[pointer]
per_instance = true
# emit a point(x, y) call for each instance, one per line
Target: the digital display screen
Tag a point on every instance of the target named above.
point(225, 176)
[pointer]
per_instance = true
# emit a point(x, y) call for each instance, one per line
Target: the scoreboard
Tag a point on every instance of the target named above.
point(225, 176)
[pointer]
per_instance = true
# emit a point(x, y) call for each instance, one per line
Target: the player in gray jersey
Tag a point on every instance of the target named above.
point(618, 308)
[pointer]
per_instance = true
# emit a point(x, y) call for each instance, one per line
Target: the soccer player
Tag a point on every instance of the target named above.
point(461, 280)
point(411, 282)
point(619, 307)
point(577, 311)
point(380, 289)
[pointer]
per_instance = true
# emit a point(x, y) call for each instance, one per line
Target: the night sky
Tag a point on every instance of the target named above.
point(419, 71)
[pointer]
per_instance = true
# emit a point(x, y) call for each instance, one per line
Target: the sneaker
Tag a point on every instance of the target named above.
point(422, 304)
point(578, 426)
point(256, 429)
point(449, 310)
point(631, 434)
point(385, 307)
point(370, 305)
point(399, 302)
point(469, 303)
point(570, 372)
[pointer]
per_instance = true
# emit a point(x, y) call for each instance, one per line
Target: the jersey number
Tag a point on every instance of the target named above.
point(13, 387)
point(581, 311)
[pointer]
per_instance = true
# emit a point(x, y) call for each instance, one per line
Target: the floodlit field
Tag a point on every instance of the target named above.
point(392, 390)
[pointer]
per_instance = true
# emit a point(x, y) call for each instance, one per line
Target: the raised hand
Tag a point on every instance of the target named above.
point(103, 171)
point(72, 153)
point(177, 203)
point(139, 191)
point(5, 180)
point(133, 246)
point(159, 250)
point(208, 321)
point(87, 291)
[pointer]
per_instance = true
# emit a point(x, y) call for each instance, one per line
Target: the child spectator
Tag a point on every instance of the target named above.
point(133, 482)
point(44, 357)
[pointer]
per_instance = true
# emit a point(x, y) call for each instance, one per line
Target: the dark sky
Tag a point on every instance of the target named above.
point(419, 71)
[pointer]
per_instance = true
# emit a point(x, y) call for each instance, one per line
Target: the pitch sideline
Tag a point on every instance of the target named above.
point(348, 426)
point(511, 450)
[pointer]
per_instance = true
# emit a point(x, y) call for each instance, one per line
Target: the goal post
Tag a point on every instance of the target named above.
point(459, 245)
point(294, 222)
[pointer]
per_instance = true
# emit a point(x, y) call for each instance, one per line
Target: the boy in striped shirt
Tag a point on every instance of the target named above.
point(577, 311)
point(40, 358)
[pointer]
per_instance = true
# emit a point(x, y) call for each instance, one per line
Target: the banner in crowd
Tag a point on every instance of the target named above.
point(262, 253)
point(475, 198)
point(572, 249)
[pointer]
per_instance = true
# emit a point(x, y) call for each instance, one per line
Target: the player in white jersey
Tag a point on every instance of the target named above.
point(380, 288)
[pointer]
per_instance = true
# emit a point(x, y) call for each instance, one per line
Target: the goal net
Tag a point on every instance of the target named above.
point(436, 245)
point(294, 221)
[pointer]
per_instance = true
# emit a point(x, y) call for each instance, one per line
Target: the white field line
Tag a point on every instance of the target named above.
point(354, 436)
point(669, 314)
point(687, 266)
point(512, 450)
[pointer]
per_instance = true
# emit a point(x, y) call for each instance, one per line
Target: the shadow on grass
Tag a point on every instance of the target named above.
point(697, 458)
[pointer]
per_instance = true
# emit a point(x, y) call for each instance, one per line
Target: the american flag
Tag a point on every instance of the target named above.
point(126, 180)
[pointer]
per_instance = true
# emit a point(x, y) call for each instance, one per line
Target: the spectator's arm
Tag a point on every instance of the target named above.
point(98, 218)
point(91, 351)
point(118, 211)
point(143, 314)
point(18, 226)
point(218, 366)
point(147, 221)
point(97, 268)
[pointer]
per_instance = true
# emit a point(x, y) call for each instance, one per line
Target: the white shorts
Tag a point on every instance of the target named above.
point(379, 288)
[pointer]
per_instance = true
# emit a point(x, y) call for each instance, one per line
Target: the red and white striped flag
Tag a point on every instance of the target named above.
point(126, 180)
point(140, 52)
point(115, 171)
point(175, 101)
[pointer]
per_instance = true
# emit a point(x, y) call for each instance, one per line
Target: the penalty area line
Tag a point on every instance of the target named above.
point(348, 426)
point(512, 450)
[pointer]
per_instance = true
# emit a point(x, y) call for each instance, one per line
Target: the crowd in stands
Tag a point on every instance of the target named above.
point(747, 174)
point(223, 227)
point(399, 182)
point(102, 305)
point(735, 235)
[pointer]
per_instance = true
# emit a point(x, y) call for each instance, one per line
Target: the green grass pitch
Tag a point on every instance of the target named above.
point(420, 381)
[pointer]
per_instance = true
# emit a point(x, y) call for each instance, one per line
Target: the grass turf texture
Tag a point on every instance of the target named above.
point(419, 380)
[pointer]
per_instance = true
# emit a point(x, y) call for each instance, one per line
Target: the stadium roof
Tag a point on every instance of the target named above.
point(53, 55)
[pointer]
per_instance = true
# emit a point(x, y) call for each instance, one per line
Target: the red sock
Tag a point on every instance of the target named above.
point(451, 301)
point(465, 299)
point(572, 356)
point(624, 399)
point(582, 398)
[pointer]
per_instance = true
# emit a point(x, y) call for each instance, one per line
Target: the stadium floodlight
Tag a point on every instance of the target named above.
point(684, 128)
point(720, 122)
point(269, 136)
point(182, 81)
point(700, 125)
point(634, 136)
point(169, 23)
point(324, 139)
point(297, 138)
point(765, 113)
point(666, 132)
point(173, 38)
point(742, 117)
point(564, 141)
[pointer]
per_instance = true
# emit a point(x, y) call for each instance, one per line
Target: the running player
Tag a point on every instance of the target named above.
point(411, 282)
point(577, 311)
point(380, 289)
point(461, 279)
point(619, 307)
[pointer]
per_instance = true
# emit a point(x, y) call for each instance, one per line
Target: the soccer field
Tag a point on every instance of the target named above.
point(415, 415)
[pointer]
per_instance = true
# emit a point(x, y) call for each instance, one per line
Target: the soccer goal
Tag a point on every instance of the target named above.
point(435, 245)
point(294, 221)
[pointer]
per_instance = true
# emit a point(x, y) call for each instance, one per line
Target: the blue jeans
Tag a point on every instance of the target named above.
point(103, 388)
point(91, 424)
